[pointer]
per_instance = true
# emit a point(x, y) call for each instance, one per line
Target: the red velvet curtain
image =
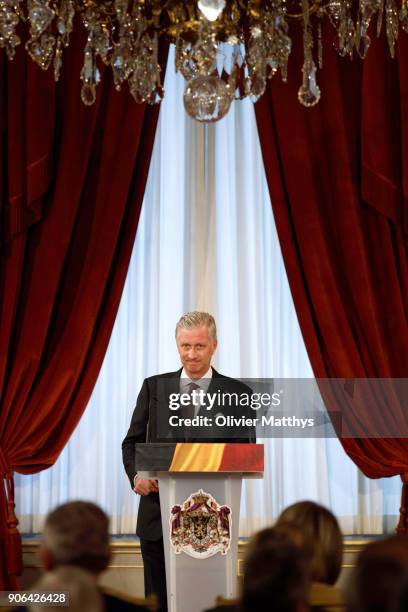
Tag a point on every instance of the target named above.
point(72, 180)
point(338, 179)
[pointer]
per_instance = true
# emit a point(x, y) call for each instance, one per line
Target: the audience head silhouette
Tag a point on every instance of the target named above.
point(75, 549)
point(322, 535)
point(76, 533)
point(379, 582)
point(276, 577)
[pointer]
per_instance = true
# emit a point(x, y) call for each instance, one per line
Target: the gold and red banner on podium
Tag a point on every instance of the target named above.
point(200, 457)
point(217, 457)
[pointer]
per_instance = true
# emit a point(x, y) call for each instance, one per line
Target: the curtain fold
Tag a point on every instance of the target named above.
point(338, 190)
point(73, 179)
point(29, 103)
point(384, 136)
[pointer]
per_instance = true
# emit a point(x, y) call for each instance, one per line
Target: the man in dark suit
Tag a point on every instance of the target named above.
point(196, 338)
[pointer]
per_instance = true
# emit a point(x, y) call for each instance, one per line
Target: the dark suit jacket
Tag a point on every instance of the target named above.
point(144, 428)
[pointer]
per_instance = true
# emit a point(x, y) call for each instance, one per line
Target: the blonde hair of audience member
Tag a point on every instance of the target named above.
point(379, 581)
point(276, 573)
point(322, 535)
point(80, 585)
point(76, 533)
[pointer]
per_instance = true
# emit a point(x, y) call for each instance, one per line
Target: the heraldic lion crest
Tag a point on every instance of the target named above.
point(200, 527)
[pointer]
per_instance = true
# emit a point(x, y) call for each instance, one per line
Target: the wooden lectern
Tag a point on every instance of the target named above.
point(200, 495)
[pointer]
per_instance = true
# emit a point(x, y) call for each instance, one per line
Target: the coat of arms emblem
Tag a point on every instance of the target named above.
point(200, 527)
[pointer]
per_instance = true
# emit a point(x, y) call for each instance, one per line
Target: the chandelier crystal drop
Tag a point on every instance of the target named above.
point(225, 49)
point(211, 9)
point(207, 98)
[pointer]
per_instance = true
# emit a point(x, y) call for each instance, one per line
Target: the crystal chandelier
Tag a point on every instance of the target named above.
point(225, 49)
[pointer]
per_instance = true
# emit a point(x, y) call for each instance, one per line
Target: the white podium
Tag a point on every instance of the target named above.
point(200, 495)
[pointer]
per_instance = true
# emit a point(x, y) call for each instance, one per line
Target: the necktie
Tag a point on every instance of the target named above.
point(188, 412)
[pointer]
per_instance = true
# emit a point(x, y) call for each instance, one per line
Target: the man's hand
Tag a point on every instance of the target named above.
point(144, 486)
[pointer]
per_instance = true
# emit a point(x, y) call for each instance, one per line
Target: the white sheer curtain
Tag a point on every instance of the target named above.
point(206, 240)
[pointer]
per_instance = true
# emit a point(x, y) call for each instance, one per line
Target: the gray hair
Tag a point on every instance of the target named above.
point(77, 533)
point(196, 318)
